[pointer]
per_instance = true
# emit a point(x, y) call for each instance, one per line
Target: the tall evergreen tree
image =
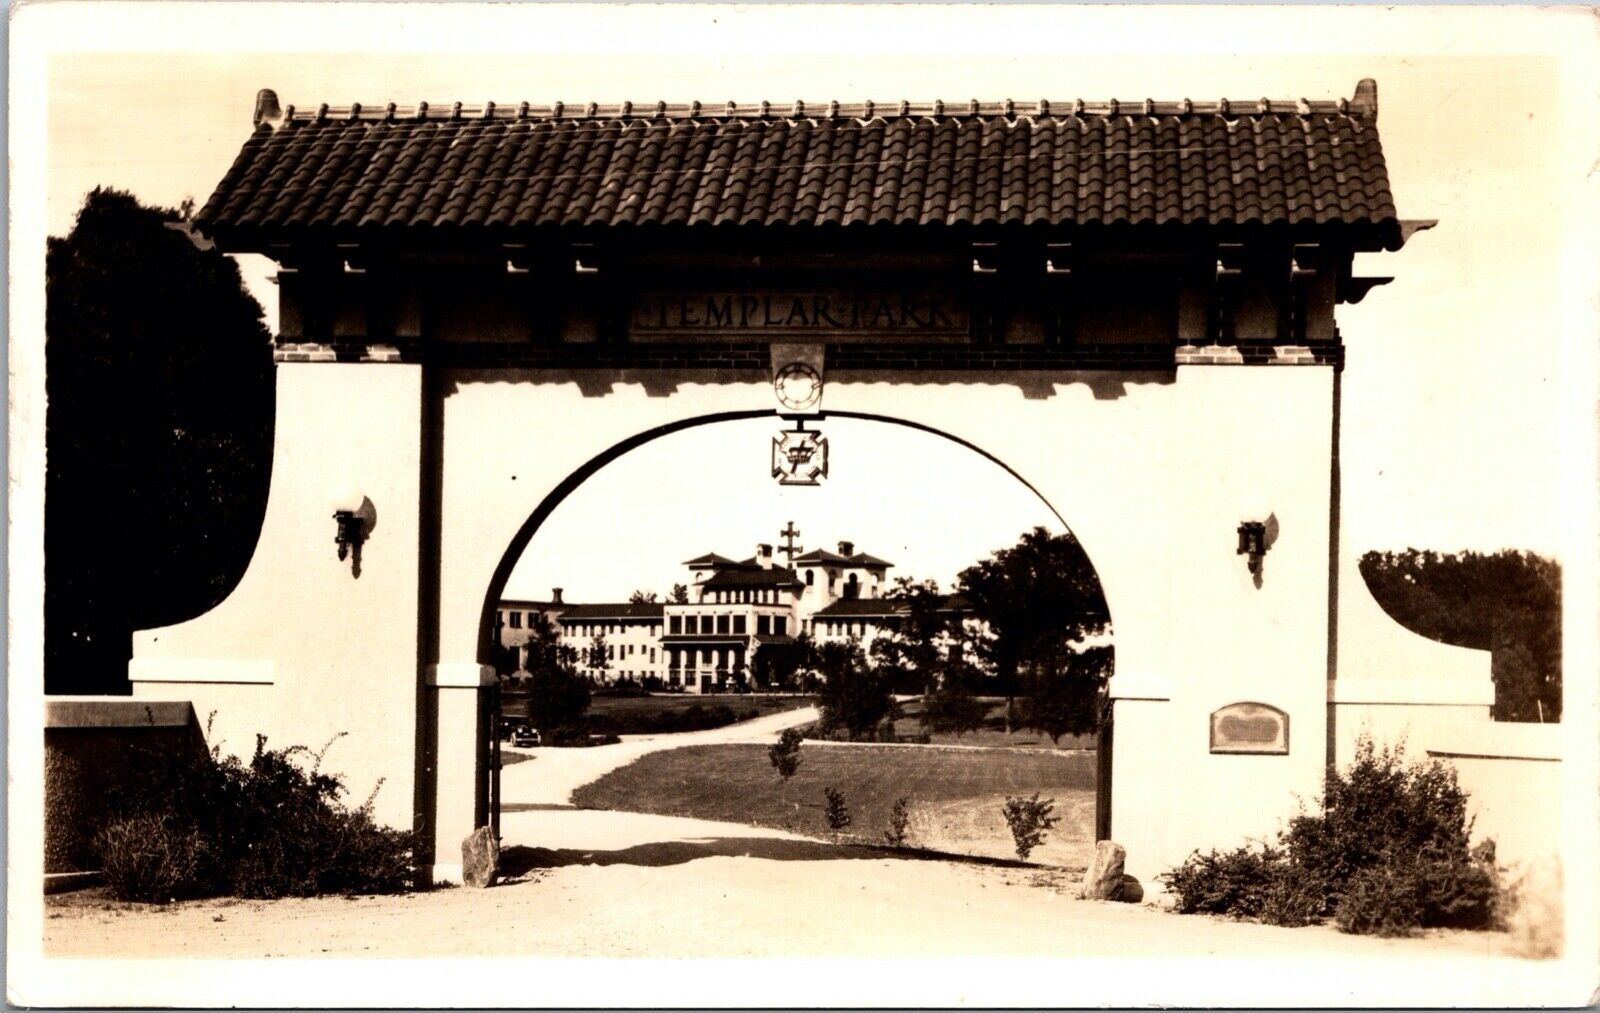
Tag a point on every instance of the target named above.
point(1507, 602)
point(159, 379)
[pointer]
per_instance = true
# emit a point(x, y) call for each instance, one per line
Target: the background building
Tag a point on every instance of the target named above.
point(707, 643)
point(614, 641)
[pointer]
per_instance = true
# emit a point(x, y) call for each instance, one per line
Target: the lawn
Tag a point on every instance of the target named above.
point(993, 732)
point(668, 712)
point(623, 706)
point(954, 796)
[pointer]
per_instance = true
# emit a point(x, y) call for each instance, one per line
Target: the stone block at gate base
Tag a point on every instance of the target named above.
point(480, 858)
point(1104, 878)
point(1131, 891)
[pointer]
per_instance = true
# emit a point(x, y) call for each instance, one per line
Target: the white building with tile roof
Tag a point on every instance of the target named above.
point(707, 643)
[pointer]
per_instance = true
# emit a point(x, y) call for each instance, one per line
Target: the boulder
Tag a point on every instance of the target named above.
point(1130, 891)
point(480, 858)
point(1104, 878)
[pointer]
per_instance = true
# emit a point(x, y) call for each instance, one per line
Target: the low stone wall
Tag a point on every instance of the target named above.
point(91, 748)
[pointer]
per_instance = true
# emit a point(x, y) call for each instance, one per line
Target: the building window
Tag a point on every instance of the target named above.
point(780, 625)
point(675, 624)
point(738, 625)
point(811, 578)
point(722, 624)
point(763, 625)
point(516, 620)
point(652, 655)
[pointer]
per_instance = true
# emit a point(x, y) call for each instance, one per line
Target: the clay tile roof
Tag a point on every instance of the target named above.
point(709, 559)
point(775, 577)
point(621, 610)
point(821, 556)
point(863, 607)
point(363, 168)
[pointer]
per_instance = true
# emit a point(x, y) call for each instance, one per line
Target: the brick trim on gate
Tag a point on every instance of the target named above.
point(342, 351)
point(847, 356)
point(1326, 353)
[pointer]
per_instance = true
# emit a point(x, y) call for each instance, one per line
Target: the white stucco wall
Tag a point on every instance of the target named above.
point(1152, 472)
point(1154, 482)
point(326, 652)
point(1512, 774)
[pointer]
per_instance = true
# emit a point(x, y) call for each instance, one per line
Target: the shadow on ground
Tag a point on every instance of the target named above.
point(519, 860)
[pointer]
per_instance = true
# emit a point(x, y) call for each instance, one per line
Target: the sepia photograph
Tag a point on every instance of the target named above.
point(773, 506)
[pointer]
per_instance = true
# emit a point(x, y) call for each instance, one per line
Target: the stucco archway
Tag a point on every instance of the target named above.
point(1156, 351)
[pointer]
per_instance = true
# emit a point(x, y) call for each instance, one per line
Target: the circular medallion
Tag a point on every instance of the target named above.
point(798, 386)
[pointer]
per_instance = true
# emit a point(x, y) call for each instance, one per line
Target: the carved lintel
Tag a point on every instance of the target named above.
point(1353, 290)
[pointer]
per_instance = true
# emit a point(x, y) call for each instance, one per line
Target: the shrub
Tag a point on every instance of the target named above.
point(150, 858)
point(854, 695)
point(1387, 854)
point(693, 718)
point(899, 819)
point(580, 737)
point(557, 696)
point(1381, 900)
point(1234, 882)
point(271, 827)
point(1290, 901)
point(953, 709)
point(1029, 820)
point(837, 813)
point(784, 755)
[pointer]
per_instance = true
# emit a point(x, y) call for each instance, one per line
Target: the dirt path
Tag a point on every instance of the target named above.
point(610, 884)
point(555, 773)
point(760, 894)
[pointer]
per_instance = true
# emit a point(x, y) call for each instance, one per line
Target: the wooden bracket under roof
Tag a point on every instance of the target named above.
point(1411, 226)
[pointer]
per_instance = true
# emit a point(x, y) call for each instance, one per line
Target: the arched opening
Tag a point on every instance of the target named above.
point(704, 640)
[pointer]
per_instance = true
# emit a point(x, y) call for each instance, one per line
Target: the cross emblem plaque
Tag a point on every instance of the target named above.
point(799, 457)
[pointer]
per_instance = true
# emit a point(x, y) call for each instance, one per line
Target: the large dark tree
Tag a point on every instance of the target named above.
point(1039, 598)
point(158, 374)
point(1508, 603)
point(1061, 692)
point(776, 664)
point(853, 696)
point(913, 656)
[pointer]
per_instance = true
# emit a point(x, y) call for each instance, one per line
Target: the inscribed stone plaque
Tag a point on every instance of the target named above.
point(905, 314)
point(1249, 728)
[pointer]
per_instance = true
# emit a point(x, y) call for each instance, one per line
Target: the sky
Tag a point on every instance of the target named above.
point(1455, 432)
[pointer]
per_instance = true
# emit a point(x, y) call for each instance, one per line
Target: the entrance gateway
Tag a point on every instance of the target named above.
point(1130, 305)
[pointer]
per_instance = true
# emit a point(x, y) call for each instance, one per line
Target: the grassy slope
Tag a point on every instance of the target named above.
point(955, 794)
point(993, 731)
point(621, 705)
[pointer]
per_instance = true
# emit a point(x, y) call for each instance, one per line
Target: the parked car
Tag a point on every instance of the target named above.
point(525, 737)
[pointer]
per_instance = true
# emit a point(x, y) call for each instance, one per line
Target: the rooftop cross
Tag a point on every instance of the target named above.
point(789, 548)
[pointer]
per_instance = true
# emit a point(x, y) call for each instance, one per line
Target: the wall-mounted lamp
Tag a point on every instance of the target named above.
point(1253, 545)
point(350, 525)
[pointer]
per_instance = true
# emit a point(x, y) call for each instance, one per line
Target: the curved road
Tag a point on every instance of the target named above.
point(537, 794)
